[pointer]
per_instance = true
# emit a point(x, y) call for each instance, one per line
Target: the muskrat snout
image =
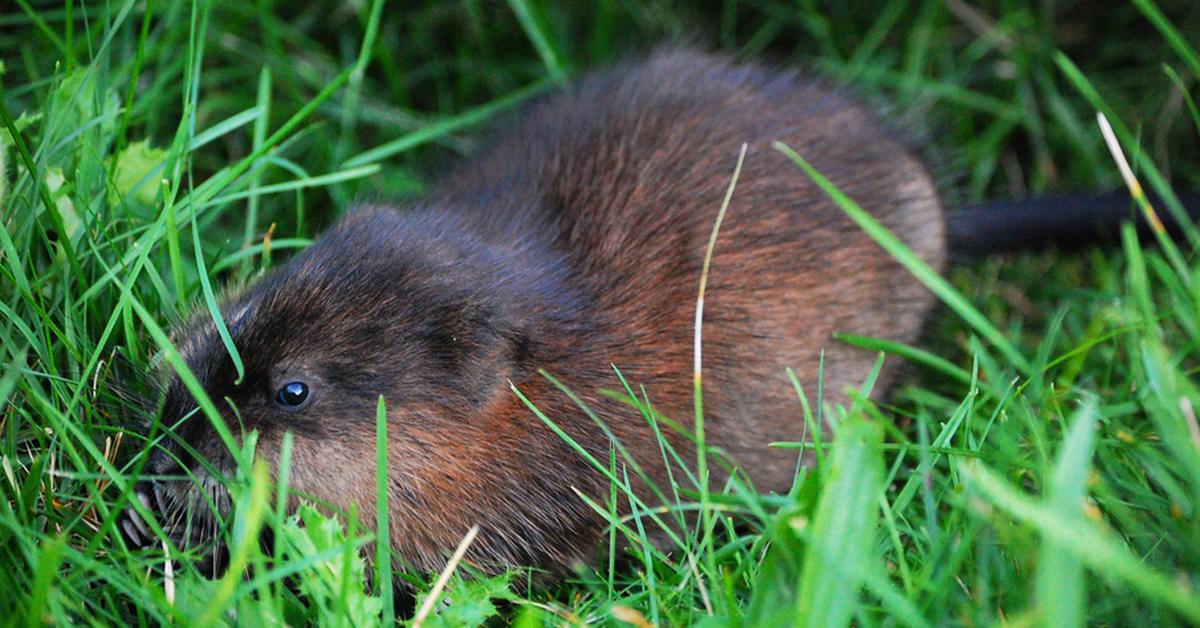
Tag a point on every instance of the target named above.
point(185, 516)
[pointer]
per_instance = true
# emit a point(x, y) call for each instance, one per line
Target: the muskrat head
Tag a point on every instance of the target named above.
point(383, 304)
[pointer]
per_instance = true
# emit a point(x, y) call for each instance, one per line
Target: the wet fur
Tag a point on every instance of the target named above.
point(574, 243)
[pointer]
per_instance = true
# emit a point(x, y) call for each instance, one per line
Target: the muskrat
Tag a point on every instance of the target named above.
point(574, 243)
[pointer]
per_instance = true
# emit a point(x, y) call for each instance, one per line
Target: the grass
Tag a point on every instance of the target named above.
point(1041, 466)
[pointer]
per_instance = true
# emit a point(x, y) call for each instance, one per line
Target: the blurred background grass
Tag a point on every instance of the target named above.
point(976, 80)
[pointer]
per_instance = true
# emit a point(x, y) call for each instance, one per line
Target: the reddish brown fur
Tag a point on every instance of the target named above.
point(573, 243)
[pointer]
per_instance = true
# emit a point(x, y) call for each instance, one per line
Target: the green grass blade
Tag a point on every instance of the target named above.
point(1059, 581)
point(1183, 92)
point(225, 126)
point(431, 132)
point(1178, 42)
point(214, 311)
point(299, 184)
point(258, 136)
point(912, 354)
point(250, 513)
point(540, 41)
point(841, 544)
point(383, 537)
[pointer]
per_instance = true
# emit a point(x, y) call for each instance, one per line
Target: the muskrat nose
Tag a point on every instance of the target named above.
point(131, 523)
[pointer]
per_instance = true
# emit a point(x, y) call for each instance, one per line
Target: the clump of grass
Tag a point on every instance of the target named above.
point(1042, 467)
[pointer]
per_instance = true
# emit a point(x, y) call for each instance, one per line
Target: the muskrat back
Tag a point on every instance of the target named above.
point(572, 244)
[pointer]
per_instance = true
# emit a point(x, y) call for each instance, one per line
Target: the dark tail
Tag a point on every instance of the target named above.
point(1064, 222)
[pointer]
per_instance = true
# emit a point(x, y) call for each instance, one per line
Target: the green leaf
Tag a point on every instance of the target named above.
point(338, 585)
point(138, 175)
point(471, 601)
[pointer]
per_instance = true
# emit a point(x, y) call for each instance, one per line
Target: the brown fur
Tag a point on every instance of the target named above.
point(573, 243)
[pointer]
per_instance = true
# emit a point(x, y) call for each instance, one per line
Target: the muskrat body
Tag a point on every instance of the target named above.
point(573, 244)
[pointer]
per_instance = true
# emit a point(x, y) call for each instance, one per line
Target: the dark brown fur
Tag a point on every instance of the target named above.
point(575, 243)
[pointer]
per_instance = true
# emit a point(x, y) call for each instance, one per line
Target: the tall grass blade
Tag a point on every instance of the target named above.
point(541, 42)
point(841, 543)
point(1059, 581)
point(383, 536)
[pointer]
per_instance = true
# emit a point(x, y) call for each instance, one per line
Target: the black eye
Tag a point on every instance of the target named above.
point(292, 395)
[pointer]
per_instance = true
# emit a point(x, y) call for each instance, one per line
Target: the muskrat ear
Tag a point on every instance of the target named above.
point(478, 341)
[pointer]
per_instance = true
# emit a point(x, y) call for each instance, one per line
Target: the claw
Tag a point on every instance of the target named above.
point(131, 531)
